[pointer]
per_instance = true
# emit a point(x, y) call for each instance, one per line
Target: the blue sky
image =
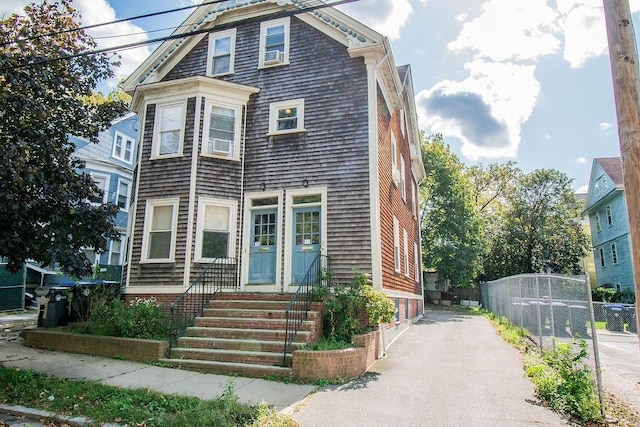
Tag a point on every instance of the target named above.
point(522, 80)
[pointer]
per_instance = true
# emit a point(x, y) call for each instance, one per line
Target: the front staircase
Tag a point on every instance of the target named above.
point(244, 334)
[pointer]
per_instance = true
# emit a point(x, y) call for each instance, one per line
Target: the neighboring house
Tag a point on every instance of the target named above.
point(110, 163)
point(607, 211)
point(276, 135)
point(588, 262)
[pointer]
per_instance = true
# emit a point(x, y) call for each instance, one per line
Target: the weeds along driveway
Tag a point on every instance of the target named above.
point(447, 370)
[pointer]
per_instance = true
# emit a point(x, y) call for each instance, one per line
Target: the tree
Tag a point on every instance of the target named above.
point(45, 214)
point(541, 231)
point(451, 229)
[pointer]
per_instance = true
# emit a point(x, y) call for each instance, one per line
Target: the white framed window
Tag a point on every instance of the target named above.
point(414, 199)
point(598, 225)
point(160, 225)
point(394, 153)
point(169, 130)
point(614, 254)
point(115, 251)
point(402, 122)
point(602, 262)
point(122, 198)
point(403, 179)
point(102, 181)
point(416, 260)
point(406, 252)
point(609, 217)
point(222, 131)
point(122, 147)
point(222, 47)
point(274, 43)
point(215, 230)
point(396, 244)
point(286, 117)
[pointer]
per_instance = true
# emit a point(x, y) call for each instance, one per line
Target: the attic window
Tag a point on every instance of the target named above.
point(222, 48)
point(274, 43)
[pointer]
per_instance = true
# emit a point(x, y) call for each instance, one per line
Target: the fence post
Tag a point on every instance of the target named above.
point(596, 353)
point(551, 317)
point(539, 314)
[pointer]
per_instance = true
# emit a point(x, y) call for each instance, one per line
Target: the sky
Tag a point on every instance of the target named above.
point(502, 80)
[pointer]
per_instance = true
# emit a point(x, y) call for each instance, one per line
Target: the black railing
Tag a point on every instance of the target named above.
point(300, 303)
point(221, 274)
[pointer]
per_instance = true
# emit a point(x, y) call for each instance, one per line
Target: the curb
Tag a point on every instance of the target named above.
point(37, 414)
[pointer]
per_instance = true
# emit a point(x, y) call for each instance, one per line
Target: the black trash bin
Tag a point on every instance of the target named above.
point(632, 321)
point(87, 292)
point(614, 313)
point(579, 316)
point(53, 306)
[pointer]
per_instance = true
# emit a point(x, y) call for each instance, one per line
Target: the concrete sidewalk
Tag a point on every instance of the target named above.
point(446, 370)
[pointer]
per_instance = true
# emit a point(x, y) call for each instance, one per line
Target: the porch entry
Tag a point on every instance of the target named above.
point(306, 240)
point(262, 253)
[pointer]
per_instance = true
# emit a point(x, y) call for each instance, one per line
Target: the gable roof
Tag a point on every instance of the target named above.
point(612, 166)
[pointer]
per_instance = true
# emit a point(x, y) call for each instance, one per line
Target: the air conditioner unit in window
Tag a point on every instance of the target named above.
point(273, 57)
point(220, 146)
point(396, 176)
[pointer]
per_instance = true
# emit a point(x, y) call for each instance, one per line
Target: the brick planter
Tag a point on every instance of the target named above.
point(137, 350)
point(310, 365)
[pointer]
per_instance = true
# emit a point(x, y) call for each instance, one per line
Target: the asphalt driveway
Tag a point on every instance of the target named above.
point(446, 370)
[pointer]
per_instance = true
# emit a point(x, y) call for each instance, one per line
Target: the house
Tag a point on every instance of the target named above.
point(588, 262)
point(110, 163)
point(607, 211)
point(274, 132)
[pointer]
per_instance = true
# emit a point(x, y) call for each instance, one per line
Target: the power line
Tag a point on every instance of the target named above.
point(86, 27)
point(173, 36)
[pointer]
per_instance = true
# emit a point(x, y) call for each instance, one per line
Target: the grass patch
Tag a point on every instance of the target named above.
point(328, 344)
point(103, 403)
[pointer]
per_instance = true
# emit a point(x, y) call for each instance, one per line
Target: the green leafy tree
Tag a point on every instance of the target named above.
point(452, 236)
point(540, 229)
point(44, 210)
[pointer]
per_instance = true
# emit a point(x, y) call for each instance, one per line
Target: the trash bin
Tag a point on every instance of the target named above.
point(87, 293)
point(614, 314)
point(53, 306)
point(560, 318)
point(579, 315)
point(632, 321)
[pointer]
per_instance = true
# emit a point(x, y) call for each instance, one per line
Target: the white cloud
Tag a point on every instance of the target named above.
point(385, 16)
point(583, 190)
point(583, 26)
point(605, 127)
point(579, 160)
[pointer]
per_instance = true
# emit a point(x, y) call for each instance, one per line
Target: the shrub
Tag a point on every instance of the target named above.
point(141, 318)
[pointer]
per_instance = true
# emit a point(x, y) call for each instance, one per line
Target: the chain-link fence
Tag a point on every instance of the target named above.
point(554, 308)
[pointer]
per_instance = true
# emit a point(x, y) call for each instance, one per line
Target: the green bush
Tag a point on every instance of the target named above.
point(565, 382)
point(140, 318)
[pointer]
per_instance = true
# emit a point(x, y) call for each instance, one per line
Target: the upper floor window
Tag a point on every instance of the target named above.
point(414, 199)
point(598, 225)
point(115, 252)
point(406, 252)
point(417, 261)
point(602, 262)
point(614, 253)
point(122, 147)
point(222, 48)
point(216, 229)
point(103, 185)
point(286, 116)
point(609, 217)
point(169, 130)
point(160, 225)
point(123, 195)
point(222, 132)
point(396, 245)
point(403, 179)
point(274, 42)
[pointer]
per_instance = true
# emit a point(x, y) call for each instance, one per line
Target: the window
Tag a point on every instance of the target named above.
point(103, 183)
point(123, 195)
point(286, 117)
point(115, 252)
point(222, 131)
point(403, 179)
point(169, 130)
point(414, 199)
point(614, 254)
point(416, 259)
point(406, 252)
point(394, 154)
point(122, 147)
point(160, 230)
point(609, 217)
point(222, 48)
point(602, 263)
point(274, 43)
point(396, 244)
point(216, 229)
point(598, 225)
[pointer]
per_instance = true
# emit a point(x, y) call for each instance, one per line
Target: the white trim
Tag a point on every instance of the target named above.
point(140, 121)
point(275, 107)
point(192, 195)
point(148, 218)
point(155, 144)
point(417, 262)
point(263, 33)
point(406, 252)
point(107, 183)
point(128, 195)
point(124, 138)
point(123, 239)
point(289, 223)
point(246, 240)
point(403, 179)
point(203, 203)
point(232, 51)
point(414, 199)
point(396, 245)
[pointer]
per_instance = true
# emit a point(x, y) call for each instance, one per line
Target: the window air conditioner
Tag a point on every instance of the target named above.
point(273, 57)
point(396, 176)
point(221, 146)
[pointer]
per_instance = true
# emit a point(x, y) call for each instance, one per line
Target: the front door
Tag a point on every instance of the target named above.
point(262, 252)
point(306, 240)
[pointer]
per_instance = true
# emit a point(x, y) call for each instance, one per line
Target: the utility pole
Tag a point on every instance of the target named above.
point(623, 55)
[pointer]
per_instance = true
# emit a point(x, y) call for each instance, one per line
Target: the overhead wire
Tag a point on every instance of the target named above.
point(319, 5)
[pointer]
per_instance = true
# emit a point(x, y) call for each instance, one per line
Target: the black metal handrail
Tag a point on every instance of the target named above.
point(221, 274)
point(298, 308)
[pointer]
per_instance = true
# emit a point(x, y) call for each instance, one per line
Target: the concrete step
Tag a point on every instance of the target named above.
point(259, 334)
point(248, 323)
point(244, 304)
point(236, 344)
point(231, 356)
point(227, 368)
point(253, 313)
point(254, 296)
